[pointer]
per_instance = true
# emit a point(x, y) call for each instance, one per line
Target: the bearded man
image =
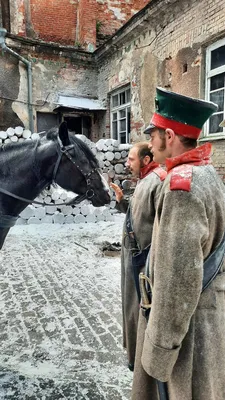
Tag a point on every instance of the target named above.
point(137, 232)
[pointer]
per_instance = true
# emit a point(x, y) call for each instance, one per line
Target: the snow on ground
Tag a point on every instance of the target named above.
point(60, 314)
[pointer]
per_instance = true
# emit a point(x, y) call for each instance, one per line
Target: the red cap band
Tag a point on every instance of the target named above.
point(178, 127)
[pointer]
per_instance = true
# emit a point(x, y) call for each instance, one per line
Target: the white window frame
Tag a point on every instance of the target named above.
point(209, 74)
point(117, 109)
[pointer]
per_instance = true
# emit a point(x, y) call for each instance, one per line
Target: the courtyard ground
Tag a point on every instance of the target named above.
point(60, 314)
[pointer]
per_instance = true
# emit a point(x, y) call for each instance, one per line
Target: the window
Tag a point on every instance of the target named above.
point(120, 115)
point(215, 86)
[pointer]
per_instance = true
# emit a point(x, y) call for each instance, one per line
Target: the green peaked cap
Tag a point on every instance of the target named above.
point(185, 115)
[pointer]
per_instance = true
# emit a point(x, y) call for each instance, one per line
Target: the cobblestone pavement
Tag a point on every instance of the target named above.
point(60, 315)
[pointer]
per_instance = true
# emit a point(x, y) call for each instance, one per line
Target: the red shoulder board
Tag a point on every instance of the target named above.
point(181, 178)
point(161, 173)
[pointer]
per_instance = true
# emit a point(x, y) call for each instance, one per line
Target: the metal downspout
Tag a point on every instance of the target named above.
point(29, 74)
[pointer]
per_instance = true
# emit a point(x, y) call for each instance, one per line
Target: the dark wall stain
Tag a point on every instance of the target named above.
point(9, 89)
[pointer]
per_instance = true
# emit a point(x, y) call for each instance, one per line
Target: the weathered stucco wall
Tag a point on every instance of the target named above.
point(112, 14)
point(218, 157)
point(54, 72)
point(165, 47)
point(9, 90)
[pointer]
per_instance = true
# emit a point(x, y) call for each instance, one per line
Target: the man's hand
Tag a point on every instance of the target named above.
point(118, 192)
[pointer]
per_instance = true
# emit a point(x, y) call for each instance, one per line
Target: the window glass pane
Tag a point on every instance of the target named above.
point(128, 96)
point(218, 98)
point(114, 116)
point(114, 128)
point(122, 113)
point(123, 137)
point(218, 57)
point(122, 98)
point(217, 82)
point(214, 123)
point(115, 100)
point(123, 125)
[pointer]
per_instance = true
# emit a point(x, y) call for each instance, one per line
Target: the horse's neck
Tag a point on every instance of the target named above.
point(25, 171)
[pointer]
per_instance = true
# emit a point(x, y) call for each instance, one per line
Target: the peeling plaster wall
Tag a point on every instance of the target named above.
point(52, 74)
point(58, 75)
point(168, 51)
point(9, 90)
point(17, 17)
point(218, 151)
point(138, 68)
point(114, 13)
point(1, 24)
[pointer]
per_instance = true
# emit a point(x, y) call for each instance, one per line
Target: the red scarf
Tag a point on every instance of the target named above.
point(144, 171)
point(198, 156)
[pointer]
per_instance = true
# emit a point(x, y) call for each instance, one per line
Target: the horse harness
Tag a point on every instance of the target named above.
point(8, 221)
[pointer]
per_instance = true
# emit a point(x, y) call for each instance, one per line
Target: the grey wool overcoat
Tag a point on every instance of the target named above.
point(183, 342)
point(143, 205)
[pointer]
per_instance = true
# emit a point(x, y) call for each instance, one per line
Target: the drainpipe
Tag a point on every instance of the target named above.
point(29, 74)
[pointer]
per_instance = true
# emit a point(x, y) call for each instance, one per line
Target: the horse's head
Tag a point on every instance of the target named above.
point(77, 169)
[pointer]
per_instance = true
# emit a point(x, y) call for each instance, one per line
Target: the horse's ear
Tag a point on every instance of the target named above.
point(63, 134)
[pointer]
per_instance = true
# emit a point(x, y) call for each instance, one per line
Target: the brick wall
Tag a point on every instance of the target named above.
point(54, 21)
point(71, 22)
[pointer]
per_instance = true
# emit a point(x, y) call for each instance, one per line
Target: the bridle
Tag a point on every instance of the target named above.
point(89, 192)
point(7, 221)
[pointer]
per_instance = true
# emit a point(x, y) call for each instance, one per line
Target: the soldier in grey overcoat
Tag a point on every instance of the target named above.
point(182, 342)
point(142, 205)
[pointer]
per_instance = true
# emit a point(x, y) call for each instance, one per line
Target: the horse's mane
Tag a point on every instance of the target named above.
point(80, 146)
point(9, 146)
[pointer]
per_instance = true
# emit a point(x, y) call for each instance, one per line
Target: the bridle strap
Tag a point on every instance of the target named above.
point(64, 150)
point(76, 200)
point(70, 202)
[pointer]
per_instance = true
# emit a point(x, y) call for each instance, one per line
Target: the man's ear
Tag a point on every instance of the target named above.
point(170, 135)
point(146, 160)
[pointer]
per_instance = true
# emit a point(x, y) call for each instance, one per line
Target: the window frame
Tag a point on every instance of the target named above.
point(209, 73)
point(117, 110)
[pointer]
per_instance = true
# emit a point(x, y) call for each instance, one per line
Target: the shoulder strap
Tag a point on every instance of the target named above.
point(130, 230)
point(181, 178)
point(161, 173)
point(212, 264)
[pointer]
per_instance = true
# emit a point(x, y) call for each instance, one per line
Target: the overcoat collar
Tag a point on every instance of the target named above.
point(147, 169)
point(198, 156)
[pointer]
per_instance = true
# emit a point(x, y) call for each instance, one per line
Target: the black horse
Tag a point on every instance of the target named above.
point(28, 167)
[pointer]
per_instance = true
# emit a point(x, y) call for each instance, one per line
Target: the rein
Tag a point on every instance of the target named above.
point(7, 221)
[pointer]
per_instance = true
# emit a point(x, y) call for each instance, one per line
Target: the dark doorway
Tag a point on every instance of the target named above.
point(80, 125)
point(74, 124)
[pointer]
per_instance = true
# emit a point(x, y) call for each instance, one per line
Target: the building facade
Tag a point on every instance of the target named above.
point(108, 91)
